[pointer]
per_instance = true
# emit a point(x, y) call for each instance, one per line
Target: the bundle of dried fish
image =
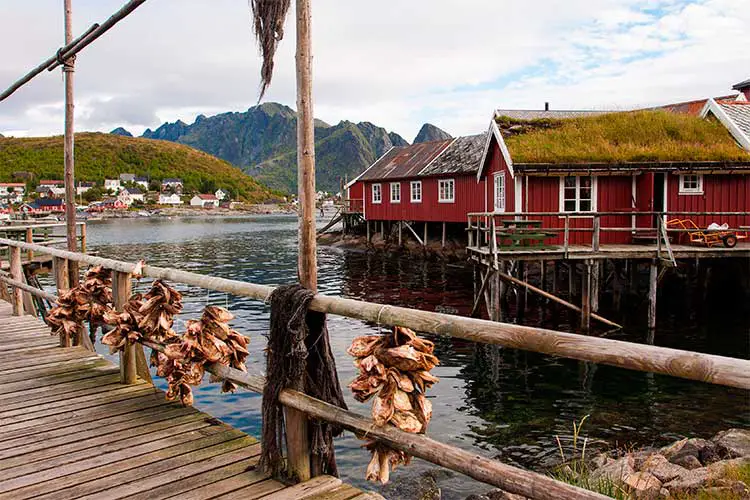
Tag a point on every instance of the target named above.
point(156, 314)
point(89, 301)
point(125, 324)
point(395, 369)
point(207, 340)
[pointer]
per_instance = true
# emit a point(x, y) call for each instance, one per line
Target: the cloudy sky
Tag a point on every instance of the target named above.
point(396, 63)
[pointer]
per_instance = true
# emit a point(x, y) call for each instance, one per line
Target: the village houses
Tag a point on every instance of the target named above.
point(171, 184)
point(169, 199)
point(112, 185)
point(204, 201)
point(12, 192)
point(84, 186)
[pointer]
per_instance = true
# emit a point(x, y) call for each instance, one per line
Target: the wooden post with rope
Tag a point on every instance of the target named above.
point(70, 192)
point(297, 431)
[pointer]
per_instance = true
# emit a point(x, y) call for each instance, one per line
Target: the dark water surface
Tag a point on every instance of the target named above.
point(499, 402)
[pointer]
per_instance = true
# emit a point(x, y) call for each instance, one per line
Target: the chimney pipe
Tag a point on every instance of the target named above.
point(546, 106)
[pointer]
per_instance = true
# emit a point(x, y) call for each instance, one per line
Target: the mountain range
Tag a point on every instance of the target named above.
point(262, 142)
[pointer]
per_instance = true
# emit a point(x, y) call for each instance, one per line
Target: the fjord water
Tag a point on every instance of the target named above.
point(498, 402)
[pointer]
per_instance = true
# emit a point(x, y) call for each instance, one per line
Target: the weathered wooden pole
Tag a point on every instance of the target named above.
point(60, 267)
point(121, 291)
point(400, 230)
point(424, 240)
point(443, 243)
point(596, 270)
point(652, 279)
point(16, 273)
point(586, 298)
point(70, 192)
point(29, 239)
point(297, 432)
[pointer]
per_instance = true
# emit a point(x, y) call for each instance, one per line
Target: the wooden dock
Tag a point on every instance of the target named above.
point(71, 430)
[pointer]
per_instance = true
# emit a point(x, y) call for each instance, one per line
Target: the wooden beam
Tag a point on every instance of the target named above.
point(443, 243)
point(16, 273)
point(297, 432)
point(586, 298)
point(652, 282)
point(29, 239)
point(408, 226)
point(61, 268)
point(70, 189)
point(121, 291)
point(480, 294)
point(554, 298)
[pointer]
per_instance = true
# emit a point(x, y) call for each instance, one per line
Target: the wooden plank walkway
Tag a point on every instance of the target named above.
point(581, 252)
point(71, 430)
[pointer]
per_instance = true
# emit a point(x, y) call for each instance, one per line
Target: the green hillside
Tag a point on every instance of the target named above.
point(99, 156)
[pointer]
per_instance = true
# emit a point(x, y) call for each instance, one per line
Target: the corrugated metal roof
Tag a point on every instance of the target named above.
point(407, 161)
point(739, 113)
point(534, 114)
point(463, 156)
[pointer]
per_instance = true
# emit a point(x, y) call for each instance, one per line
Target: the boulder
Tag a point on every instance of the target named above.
point(423, 487)
point(599, 461)
point(724, 468)
point(688, 462)
point(662, 468)
point(615, 471)
point(690, 482)
point(643, 485)
point(693, 446)
point(733, 443)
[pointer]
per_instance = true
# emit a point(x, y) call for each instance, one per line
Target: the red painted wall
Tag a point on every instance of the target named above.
point(355, 196)
point(721, 193)
point(496, 163)
point(469, 197)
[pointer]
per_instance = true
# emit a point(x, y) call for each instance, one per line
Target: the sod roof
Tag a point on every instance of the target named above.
point(619, 138)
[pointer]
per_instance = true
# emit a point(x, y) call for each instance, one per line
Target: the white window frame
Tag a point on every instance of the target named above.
point(418, 185)
point(393, 191)
point(594, 195)
point(379, 199)
point(691, 190)
point(495, 207)
point(446, 182)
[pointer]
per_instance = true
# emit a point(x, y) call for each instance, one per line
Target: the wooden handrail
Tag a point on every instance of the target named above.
point(507, 477)
point(640, 357)
point(5, 278)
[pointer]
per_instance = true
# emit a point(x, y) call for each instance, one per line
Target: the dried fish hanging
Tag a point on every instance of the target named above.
point(395, 368)
point(88, 301)
point(207, 340)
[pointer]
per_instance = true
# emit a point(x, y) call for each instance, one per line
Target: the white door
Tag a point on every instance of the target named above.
point(500, 192)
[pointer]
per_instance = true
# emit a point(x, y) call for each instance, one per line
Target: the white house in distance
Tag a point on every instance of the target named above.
point(12, 191)
point(220, 194)
point(129, 195)
point(169, 199)
point(204, 201)
point(49, 184)
point(112, 185)
point(127, 177)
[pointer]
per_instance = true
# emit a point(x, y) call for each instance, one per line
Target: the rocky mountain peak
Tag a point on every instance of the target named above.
point(430, 132)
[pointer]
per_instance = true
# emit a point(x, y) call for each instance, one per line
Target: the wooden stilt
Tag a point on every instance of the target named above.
point(571, 281)
point(443, 243)
point(595, 285)
point(495, 291)
point(652, 280)
point(400, 227)
point(369, 236)
point(121, 291)
point(617, 285)
point(586, 297)
point(424, 240)
point(16, 273)
point(521, 295)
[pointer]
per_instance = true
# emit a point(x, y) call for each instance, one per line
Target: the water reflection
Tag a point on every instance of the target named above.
point(499, 402)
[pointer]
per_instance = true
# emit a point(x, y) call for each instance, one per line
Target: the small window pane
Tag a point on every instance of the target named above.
point(585, 205)
point(570, 205)
point(570, 182)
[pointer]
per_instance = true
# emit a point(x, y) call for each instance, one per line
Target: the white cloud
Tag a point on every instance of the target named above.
point(397, 64)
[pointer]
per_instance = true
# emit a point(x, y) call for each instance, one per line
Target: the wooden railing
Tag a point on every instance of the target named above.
point(483, 225)
point(41, 234)
point(689, 365)
point(355, 205)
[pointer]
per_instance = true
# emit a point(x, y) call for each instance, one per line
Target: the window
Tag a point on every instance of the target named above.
point(500, 192)
point(416, 191)
point(691, 184)
point(577, 194)
point(377, 194)
point(446, 191)
point(395, 192)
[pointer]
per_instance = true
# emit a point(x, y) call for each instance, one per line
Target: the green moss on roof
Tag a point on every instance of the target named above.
point(638, 136)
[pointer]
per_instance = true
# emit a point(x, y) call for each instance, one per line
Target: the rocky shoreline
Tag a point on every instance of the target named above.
point(261, 209)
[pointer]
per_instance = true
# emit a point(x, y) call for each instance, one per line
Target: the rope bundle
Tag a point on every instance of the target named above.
point(395, 369)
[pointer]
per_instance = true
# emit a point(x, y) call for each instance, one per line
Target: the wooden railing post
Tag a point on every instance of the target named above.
point(121, 291)
point(29, 239)
point(83, 238)
point(566, 236)
point(16, 273)
point(597, 230)
point(60, 267)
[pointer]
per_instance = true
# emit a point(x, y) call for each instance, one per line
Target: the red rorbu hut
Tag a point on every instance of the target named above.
point(575, 164)
point(431, 182)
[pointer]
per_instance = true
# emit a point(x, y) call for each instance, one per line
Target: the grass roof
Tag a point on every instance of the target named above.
point(637, 136)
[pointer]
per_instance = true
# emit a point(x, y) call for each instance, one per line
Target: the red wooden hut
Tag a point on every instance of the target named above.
point(424, 183)
point(572, 165)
